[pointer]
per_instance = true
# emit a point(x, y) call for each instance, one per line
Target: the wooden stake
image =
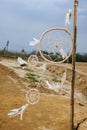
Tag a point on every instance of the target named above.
point(73, 63)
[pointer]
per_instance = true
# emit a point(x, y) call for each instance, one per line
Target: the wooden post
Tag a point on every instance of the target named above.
point(73, 63)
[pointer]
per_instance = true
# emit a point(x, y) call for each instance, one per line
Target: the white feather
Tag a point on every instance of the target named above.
point(63, 53)
point(23, 108)
point(43, 67)
point(21, 61)
point(53, 86)
point(49, 85)
point(68, 17)
point(12, 112)
point(34, 42)
point(63, 78)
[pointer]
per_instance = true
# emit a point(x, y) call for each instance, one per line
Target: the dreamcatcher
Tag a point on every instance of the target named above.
point(32, 97)
point(55, 46)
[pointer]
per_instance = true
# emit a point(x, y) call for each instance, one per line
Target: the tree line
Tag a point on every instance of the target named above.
point(23, 54)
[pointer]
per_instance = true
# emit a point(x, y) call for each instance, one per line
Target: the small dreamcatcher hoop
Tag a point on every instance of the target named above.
point(33, 59)
point(54, 45)
point(32, 96)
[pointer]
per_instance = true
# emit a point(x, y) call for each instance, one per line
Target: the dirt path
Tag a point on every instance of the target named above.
point(52, 112)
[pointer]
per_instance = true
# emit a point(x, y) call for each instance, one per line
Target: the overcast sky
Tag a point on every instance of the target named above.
point(21, 20)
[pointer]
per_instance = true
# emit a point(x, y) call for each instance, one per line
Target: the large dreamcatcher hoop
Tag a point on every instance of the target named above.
point(55, 45)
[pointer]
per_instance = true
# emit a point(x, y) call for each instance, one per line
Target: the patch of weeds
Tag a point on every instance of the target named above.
point(56, 80)
point(32, 74)
point(17, 67)
point(27, 69)
point(32, 77)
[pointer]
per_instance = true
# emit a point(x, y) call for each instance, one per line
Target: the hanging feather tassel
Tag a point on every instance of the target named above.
point(55, 87)
point(20, 111)
point(68, 17)
point(62, 52)
point(34, 42)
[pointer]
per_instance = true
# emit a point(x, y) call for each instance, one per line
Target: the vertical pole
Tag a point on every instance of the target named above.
point(73, 63)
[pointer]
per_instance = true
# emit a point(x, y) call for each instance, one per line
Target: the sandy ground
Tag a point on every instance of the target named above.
point(52, 112)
